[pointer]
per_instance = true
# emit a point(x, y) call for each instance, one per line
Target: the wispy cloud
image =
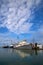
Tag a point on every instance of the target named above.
point(15, 13)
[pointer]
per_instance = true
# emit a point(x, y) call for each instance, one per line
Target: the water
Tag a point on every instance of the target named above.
point(21, 57)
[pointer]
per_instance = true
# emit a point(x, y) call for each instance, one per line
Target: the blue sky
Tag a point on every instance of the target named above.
point(21, 19)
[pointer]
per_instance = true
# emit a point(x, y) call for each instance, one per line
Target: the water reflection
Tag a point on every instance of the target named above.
point(24, 53)
point(21, 57)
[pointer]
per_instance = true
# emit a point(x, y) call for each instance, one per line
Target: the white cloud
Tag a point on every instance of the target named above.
point(16, 13)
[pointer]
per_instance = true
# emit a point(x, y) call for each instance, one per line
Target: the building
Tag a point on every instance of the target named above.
point(39, 46)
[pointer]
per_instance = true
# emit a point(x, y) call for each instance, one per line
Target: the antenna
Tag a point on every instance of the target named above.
point(33, 40)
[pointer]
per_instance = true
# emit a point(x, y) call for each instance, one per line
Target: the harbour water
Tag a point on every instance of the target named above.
point(20, 57)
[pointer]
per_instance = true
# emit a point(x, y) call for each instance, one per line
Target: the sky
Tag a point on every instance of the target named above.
point(21, 20)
